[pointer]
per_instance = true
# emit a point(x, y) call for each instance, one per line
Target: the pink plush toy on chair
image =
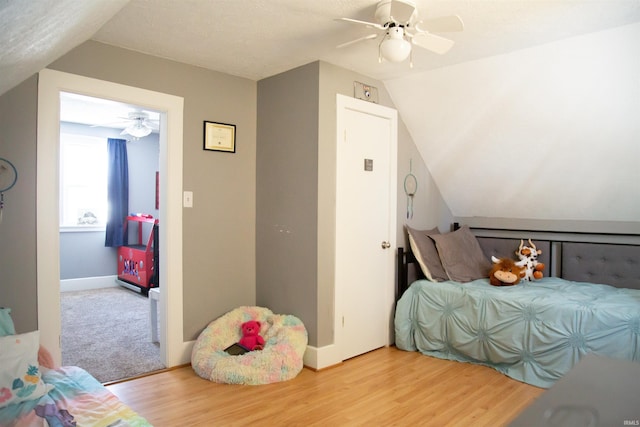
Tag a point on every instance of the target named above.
point(251, 338)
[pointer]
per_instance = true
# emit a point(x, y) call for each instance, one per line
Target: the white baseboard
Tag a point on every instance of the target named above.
point(314, 357)
point(321, 357)
point(185, 354)
point(88, 283)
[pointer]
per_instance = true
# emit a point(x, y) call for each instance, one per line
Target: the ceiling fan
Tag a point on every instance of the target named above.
point(140, 125)
point(137, 124)
point(401, 28)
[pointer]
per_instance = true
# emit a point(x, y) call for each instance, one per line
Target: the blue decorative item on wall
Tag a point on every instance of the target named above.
point(8, 178)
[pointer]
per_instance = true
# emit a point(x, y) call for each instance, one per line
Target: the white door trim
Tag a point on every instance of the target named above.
point(173, 349)
point(344, 103)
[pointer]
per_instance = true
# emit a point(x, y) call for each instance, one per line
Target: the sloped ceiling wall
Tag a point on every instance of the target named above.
point(549, 132)
point(37, 32)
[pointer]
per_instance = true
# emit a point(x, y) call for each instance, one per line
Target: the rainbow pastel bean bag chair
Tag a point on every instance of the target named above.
point(281, 359)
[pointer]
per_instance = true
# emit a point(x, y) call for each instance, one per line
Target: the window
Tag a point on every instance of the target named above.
point(83, 181)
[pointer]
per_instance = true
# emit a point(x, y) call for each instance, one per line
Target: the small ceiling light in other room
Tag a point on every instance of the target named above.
point(139, 126)
point(137, 129)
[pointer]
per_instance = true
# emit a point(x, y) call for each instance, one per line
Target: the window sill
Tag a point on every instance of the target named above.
point(82, 228)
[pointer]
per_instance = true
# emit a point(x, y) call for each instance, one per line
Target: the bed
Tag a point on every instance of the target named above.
point(34, 395)
point(534, 332)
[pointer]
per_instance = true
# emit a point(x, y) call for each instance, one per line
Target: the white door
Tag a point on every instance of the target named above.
point(365, 224)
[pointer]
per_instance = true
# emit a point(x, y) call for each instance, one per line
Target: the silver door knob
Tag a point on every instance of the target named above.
point(386, 245)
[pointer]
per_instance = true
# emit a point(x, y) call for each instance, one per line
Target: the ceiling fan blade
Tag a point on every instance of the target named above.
point(432, 42)
point(111, 124)
point(151, 124)
point(370, 36)
point(401, 11)
point(445, 24)
point(356, 21)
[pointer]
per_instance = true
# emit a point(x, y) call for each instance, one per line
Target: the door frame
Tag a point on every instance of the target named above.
point(173, 349)
point(348, 103)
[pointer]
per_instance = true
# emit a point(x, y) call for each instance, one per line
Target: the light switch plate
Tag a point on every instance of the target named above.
point(187, 199)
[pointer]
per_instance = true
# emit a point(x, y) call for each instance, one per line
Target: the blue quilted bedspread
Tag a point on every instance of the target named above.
point(533, 332)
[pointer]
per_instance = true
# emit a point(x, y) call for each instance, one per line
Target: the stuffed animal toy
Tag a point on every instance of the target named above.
point(251, 338)
point(528, 256)
point(505, 272)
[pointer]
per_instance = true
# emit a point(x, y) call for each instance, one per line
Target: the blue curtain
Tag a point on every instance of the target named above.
point(117, 192)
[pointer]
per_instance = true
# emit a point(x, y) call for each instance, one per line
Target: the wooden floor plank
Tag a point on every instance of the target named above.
point(384, 387)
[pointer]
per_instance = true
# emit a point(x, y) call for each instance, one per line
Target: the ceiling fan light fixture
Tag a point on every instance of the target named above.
point(394, 47)
point(138, 130)
point(403, 29)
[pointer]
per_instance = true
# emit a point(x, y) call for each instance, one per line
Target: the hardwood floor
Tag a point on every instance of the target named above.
point(385, 387)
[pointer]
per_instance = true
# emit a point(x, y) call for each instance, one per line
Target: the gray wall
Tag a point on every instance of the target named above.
point(287, 195)
point(143, 156)
point(18, 285)
point(218, 232)
point(83, 254)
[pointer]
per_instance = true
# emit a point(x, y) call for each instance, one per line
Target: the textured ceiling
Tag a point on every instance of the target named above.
point(260, 38)
point(35, 33)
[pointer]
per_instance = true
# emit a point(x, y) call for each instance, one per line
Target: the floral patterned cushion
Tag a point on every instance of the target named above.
point(281, 359)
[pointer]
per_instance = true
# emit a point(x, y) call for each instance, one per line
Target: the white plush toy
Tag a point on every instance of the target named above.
point(528, 256)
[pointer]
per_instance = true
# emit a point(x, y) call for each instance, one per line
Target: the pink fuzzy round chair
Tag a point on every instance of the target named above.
point(281, 359)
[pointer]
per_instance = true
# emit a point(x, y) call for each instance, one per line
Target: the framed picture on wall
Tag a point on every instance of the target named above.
point(219, 137)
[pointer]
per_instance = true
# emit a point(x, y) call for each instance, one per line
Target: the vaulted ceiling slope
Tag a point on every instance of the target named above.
point(549, 133)
point(552, 80)
point(35, 33)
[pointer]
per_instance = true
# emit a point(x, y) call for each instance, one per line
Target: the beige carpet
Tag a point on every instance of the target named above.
point(107, 332)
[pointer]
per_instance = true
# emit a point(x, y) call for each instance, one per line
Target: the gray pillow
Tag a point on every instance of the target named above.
point(424, 249)
point(461, 255)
